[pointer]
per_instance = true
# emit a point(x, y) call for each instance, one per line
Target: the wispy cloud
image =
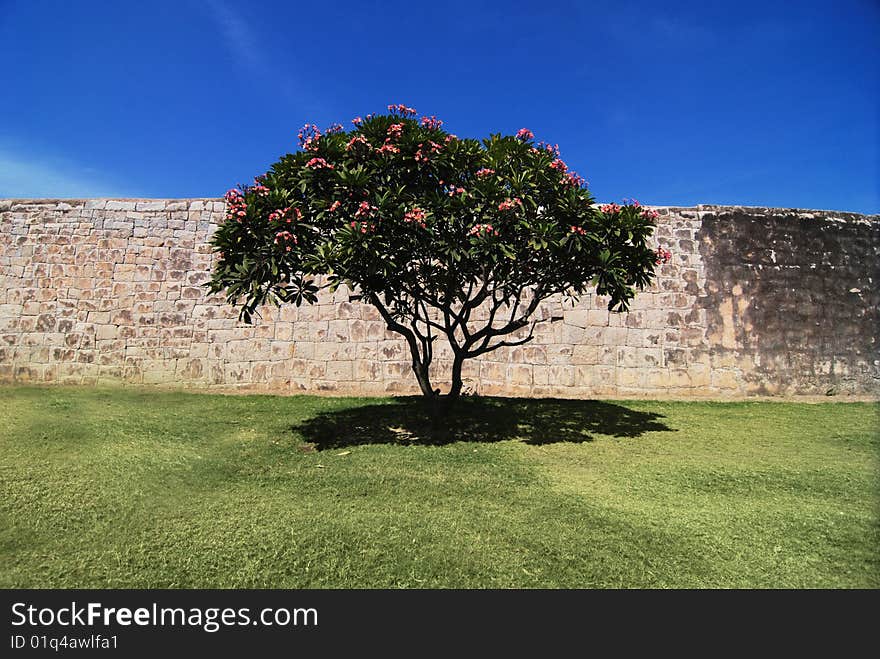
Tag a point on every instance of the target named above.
point(238, 36)
point(250, 53)
point(27, 177)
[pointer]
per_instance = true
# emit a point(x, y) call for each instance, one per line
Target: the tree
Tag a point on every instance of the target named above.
point(429, 228)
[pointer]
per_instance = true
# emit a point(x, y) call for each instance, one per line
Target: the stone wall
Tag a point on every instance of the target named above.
point(755, 302)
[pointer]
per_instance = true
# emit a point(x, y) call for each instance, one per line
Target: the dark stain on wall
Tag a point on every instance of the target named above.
point(796, 293)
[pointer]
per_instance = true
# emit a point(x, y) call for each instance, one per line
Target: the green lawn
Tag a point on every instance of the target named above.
point(130, 488)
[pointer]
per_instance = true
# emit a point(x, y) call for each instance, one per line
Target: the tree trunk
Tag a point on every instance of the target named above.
point(455, 388)
point(421, 371)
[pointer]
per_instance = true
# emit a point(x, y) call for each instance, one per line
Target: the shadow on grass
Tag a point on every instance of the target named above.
point(408, 420)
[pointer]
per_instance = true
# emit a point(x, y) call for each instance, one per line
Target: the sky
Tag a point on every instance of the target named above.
point(672, 103)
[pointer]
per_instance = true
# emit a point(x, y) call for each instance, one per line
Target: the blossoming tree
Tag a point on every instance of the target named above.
point(430, 228)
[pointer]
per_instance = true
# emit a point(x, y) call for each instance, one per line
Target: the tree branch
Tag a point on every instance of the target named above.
point(503, 344)
point(394, 326)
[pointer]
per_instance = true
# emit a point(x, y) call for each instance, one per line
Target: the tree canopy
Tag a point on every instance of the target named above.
point(429, 227)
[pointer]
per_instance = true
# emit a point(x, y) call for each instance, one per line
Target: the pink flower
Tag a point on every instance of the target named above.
point(578, 230)
point(650, 214)
point(450, 138)
point(336, 204)
point(415, 216)
point(261, 190)
point(285, 236)
point(401, 109)
point(482, 230)
point(388, 147)
point(431, 123)
point(510, 204)
point(395, 131)
point(610, 209)
point(236, 206)
point(558, 165)
point(354, 141)
point(363, 227)
point(357, 121)
point(319, 163)
point(308, 137)
point(663, 256)
point(572, 179)
point(524, 134)
point(334, 128)
point(364, 208)
point(484, 172)
point(284, 214)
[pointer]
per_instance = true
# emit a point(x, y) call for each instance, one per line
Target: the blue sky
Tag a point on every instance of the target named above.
point(755, 103)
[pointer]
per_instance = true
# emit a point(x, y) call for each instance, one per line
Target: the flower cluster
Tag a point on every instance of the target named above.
point(401, 109)
point(284, 215)
point(388, 147)
point(335, 205)
point(260, 189)
point(482, 230)
point(573, 179)
point(549, 148)
point(395, 131)
point(484, 172)
point(354, 141)
point(609, 209)
point(334, 128)
point(650, 214)
point(510, 204)
point(236, 206)
point(578, 230)
point(363, 227)
point(308, 137)
point(663, 256)
point(524, 134)
point(421, 156)
point(285, 237)
point(357, 121)
point(415, 216)
point(364, 208)
point(450, 138)
point(319, 163)
point(452, 190)
point(431, 123)
point(558, 165)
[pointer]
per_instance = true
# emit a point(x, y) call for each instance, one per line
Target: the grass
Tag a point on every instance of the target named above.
point(129, 488)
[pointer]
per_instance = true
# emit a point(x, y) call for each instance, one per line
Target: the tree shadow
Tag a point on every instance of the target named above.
point(411, 420)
